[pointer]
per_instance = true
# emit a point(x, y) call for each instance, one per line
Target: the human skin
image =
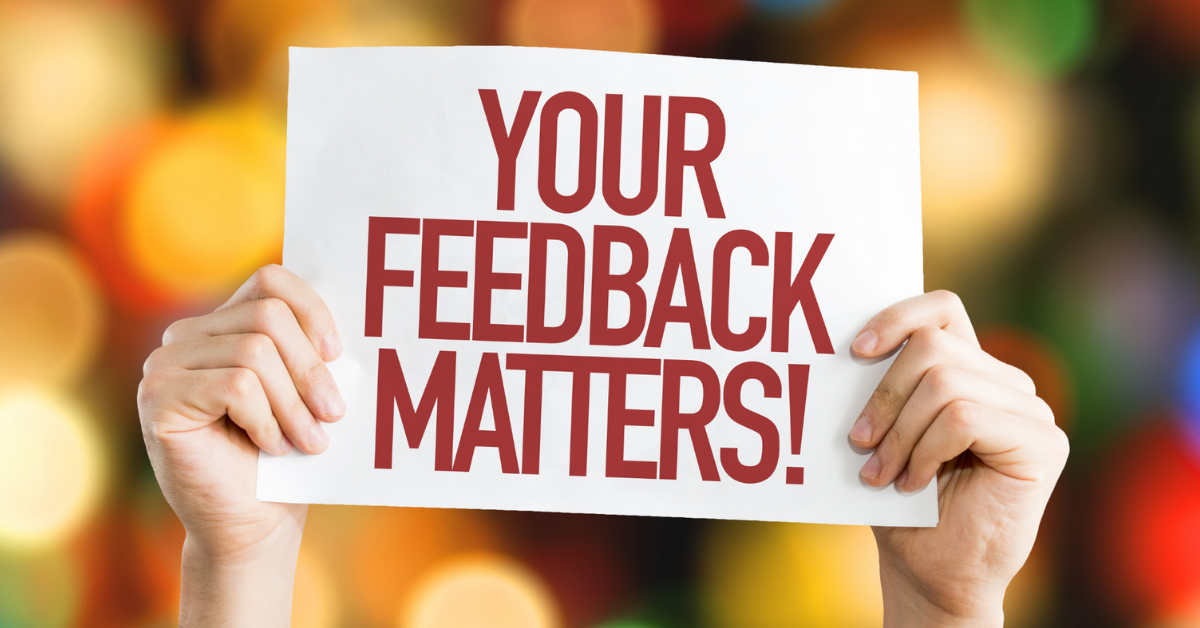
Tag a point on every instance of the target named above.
point(251, 375)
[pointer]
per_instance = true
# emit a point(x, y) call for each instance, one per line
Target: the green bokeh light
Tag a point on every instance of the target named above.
point(1045, 38)
point(38, 591)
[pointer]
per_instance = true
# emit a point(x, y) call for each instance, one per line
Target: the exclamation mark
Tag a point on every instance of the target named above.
point(797, 396)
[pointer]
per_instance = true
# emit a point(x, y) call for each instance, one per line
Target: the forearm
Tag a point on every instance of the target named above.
point(253, 591)
point(906, 606)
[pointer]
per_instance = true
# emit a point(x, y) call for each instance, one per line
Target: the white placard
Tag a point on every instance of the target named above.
point(534, 321)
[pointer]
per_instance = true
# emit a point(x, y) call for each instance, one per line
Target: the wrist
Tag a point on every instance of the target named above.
point(250, 585)
point(907, 603)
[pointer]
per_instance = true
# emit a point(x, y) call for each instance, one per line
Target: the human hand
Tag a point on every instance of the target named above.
point(249, 376)
point(948, 410)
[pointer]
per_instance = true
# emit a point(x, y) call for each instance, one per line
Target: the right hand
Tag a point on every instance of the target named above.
point(249, 376)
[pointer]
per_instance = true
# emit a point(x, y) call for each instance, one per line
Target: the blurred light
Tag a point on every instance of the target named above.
point(1173, 25)
point(482, 591)
point(38, 591)
point(50, 468)
point(1047, 38)
point(144, 550)
point(990, 141)
point(988, 153)
point(1191, 133)
point(620, 25)
point(791, 7)
point(94, 218)
point(1040, 360)
point(581, 569)
point(628, 623)
point(246, 42)
point(384, 551)
point(1029, 598)
point(1148, 523)
point(51, 316)
point(1189, 389)
point(696, 27)
point(776, 575)
point(1118, 298)
point(315, 599)
point(70, 73)
point(205, 208)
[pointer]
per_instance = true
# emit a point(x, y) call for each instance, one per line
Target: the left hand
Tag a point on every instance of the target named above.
point(948, 410)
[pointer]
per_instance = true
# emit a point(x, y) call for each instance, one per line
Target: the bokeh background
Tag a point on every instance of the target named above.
point(141, 180)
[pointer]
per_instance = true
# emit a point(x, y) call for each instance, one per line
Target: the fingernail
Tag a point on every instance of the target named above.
point(865, 343)
point(317, 438)
point(285, 446)
point(902, 479)
point(334, 406)
point(861, 432)
point(871, 469)
point(331, 346)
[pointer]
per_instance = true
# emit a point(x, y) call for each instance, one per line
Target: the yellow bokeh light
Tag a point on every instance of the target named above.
point(50, 311)
point(481, 591)
point(206, 206)
point(70, 73)
point(619, 25)
point(988, 151)
point(777, 575)
point(990, 145)
point(50, 467)
point(315, 599)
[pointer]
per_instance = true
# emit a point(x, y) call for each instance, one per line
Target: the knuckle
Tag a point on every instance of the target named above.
point(252, 348)
point(241, 383)
point(268, 278)
point(928, 339)
point(1044, 410)
point(885, 396)
point(960, 416)
point(147, 389)
point(174, 331)
point(314, 376)
point(296, 412)
point(1026, 381)
point(889, 318)
point(153, 362)
point(894, 439)
point(941, 380)
point(1060, 443)
point(271, 312)
point(950, 300)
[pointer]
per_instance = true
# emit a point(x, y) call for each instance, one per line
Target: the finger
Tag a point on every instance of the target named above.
point(1019, 447)
point(196, 399)
point(277, 282)
point(274, 318)
point(928, 347)
point(256, 352)
point(941, 386)
point(891, 327)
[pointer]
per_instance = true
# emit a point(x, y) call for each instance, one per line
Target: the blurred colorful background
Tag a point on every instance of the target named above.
point(141, 180)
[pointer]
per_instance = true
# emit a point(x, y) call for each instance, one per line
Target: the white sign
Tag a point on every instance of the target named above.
point(596, 282)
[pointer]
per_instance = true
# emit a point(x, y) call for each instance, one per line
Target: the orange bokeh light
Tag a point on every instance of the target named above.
point(480, 591)
point(204, 208)
point(1041, 361)
point(618, 25)
point(51, 315)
